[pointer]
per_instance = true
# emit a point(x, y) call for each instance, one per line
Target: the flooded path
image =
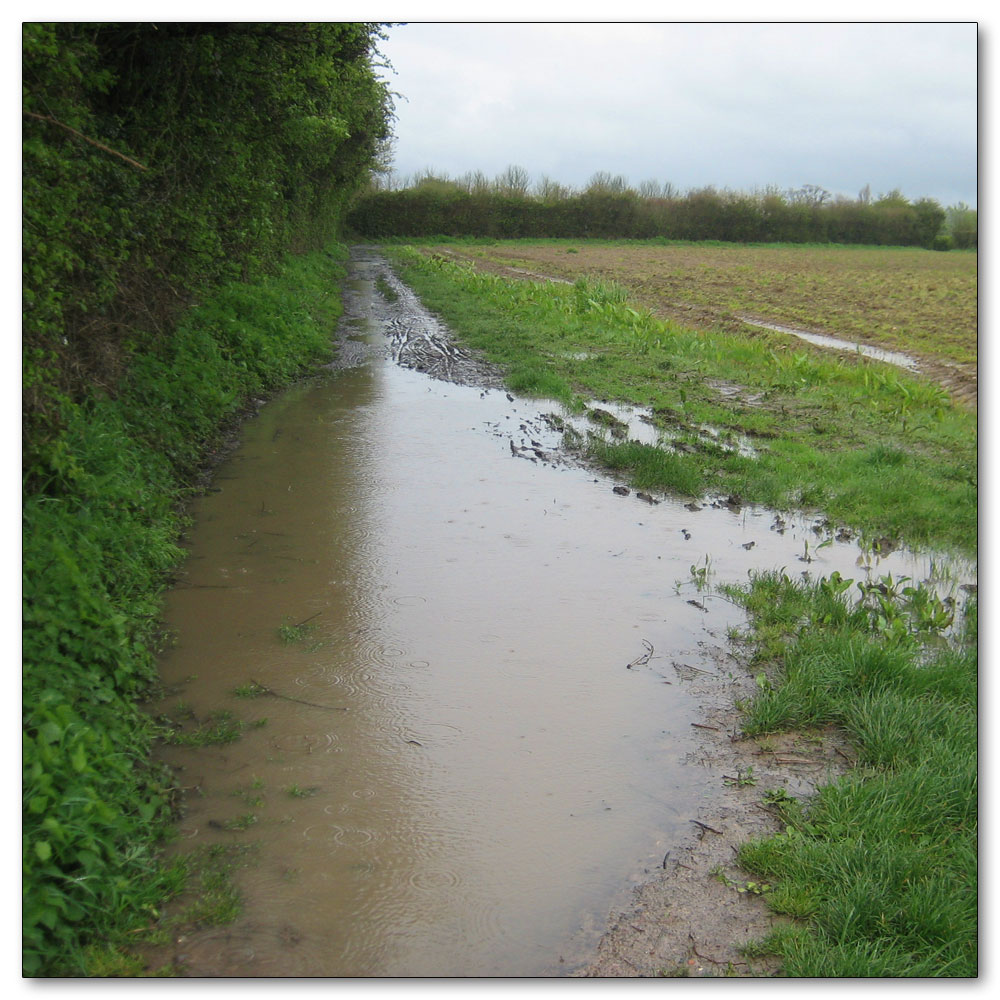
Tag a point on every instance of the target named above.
point(476, 659)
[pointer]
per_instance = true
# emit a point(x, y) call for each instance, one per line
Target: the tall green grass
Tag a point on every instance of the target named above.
point(879, 866)
point(99, 535)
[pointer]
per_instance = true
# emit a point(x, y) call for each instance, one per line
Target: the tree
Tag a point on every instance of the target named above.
point(604, 183)
point(963, 225)
point(513, 182)
point(549, 190)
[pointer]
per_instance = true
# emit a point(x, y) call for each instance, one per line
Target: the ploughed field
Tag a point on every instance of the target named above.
point(910, 300)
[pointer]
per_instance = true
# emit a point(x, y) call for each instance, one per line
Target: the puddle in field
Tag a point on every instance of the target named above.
point(835, 343)
point(475, 657)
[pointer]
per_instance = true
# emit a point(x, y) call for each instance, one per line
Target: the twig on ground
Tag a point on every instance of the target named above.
point(705, 827)
point(299, 701)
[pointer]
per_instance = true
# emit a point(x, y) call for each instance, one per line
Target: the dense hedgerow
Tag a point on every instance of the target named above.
point(160, 161)
point(439, 207)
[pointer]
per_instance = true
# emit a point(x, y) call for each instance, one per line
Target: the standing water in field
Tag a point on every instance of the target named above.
point(457, 662)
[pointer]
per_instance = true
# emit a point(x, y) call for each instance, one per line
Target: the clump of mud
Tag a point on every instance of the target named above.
point(410, 335)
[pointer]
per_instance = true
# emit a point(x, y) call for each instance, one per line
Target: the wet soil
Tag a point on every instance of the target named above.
point(502, 703)
point(691, 917)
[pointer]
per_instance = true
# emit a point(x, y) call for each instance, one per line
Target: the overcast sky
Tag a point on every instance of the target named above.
point(739, 106)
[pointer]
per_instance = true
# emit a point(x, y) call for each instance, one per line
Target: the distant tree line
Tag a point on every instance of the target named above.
point(608, 207)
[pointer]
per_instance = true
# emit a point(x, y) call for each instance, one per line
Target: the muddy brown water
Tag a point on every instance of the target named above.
point(486, 747)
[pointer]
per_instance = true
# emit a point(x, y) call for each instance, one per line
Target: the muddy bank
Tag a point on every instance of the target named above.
point(691, 918)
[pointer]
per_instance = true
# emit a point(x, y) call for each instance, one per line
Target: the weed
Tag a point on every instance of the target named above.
point(251, 794)
point(239, 823)
point(385, 289)
point(743, 778)
point(297, 792)
point(700, 575)
point(219, 729)
point(295, 633)
point(251, 690)
point(216, 900)
point(290, 634)
point(778, 797)
point(754, 888)
point(678, 970)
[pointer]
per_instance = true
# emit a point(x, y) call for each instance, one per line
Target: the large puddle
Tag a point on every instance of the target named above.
point(477, 717)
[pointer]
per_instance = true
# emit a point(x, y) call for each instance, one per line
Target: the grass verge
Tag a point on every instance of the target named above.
point(868, 445)
point(880, 866)
point(99, 535)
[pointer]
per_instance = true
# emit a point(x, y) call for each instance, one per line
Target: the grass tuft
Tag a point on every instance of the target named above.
point(881, 863)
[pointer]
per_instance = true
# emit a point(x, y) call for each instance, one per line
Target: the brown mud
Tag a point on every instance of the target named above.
point(485, 694)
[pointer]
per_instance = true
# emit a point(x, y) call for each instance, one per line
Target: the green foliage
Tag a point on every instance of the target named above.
point(290, 634)
point(881, 862)
point(962, 225)
point(297, 792)
point(609, 209)
point(163, 160)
